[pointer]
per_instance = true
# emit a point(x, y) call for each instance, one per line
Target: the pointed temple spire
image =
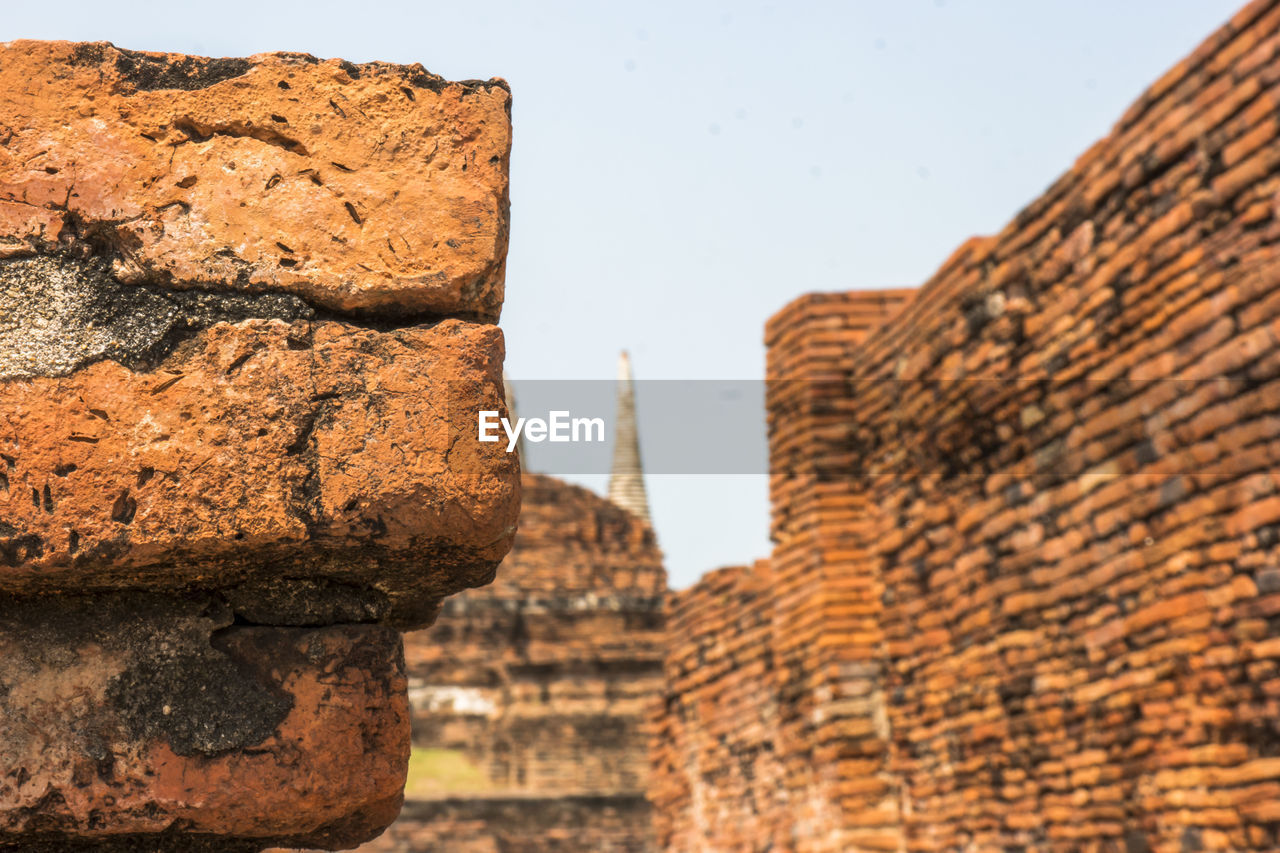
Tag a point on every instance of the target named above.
point(626, 480)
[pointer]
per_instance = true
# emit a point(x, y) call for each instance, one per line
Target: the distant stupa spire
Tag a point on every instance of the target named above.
point(510, 394)
point(626, 480)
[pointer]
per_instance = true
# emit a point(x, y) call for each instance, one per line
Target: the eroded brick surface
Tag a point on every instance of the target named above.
point(246, 314)
point(263, 458)
point(375, 188)
point(126, 716)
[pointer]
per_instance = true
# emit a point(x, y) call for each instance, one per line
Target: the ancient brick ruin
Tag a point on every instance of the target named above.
point(534, 690)
point(1027, 568)
point(530, 697)
point(1026, 577)
point(246, 311)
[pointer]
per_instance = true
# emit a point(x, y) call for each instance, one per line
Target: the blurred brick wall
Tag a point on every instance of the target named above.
point(539, 686)
point(716, 734)
point(1025, 589)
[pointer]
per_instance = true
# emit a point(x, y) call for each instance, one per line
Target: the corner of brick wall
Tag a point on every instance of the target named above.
point(772, 725)
point(826, 610)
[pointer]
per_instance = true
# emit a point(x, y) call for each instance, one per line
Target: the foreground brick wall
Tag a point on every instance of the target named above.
point(1031, 521)
point(535, 689)
point(246, 310)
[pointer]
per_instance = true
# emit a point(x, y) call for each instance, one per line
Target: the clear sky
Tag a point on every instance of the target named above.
point(683, 169)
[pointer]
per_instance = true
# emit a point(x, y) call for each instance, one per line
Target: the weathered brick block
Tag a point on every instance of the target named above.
point(314, 471)
point(246, 313)
point(128, 718)
point(375, 188)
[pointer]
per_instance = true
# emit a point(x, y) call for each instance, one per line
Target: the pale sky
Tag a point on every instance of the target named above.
point(681, 170)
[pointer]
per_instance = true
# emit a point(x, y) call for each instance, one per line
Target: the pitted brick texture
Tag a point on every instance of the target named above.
point(265, 451)
point(246, 324)
point(375, 188)
point(125, 716)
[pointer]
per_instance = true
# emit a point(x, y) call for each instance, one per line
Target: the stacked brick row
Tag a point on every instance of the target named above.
point(233, 376)
point(1039, 525)
point(540, 685)
point(826, 599)
point(716, 730)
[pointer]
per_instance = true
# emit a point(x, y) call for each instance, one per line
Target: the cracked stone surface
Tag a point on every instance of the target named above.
point(125, 717)
point(376, 189)
point(59, 313)
point(265, 457)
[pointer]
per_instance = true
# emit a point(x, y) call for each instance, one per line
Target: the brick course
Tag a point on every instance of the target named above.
point(1024, 588)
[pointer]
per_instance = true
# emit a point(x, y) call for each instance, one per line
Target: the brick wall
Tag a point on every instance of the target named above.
point(227, 473)
point(568, 824)
point(1026, 580)
point(716, 723)
point(536, 689)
